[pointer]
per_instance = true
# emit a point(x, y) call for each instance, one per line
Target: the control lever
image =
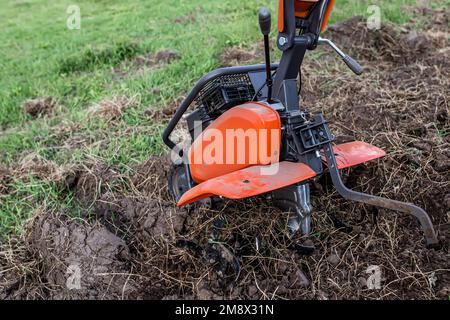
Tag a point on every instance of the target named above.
point(349, 61)
point(265, 21)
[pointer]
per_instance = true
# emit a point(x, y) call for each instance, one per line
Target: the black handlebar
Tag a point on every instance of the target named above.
point(353, 65)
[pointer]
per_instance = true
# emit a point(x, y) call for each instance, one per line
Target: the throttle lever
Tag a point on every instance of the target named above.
point(349, 61)
point(265, 22)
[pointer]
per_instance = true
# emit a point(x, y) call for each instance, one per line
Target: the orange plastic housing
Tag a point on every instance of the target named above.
point(327, 15)
point(302, 8)
point(249, 182)
point(249, 134)
point(281, 16)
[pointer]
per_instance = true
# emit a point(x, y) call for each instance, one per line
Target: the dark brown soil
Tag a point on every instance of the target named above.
point(435, 19)
point(159, 58)
point(35, 167)
point(5, 178)
point(39, 106)
point(133, 242)
point(236, 56)
point(164, 114)
point(140, 63)
point(190, 18)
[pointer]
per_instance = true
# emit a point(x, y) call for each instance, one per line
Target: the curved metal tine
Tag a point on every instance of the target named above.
point(419, 213)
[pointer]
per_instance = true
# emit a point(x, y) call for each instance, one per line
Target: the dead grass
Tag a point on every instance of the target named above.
point(112, 109)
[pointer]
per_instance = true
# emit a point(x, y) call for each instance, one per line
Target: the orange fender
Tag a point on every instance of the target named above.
point(244, 136)
point(249, 182)
point(353, 153)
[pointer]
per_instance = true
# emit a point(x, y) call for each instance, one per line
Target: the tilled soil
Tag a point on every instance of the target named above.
point(133, 242)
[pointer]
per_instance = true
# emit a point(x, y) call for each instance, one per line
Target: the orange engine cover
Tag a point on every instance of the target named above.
point(245, 135)
point(302, 10)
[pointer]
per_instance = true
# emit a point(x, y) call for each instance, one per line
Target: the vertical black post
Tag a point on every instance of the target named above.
point(265, 25)
point(268, 72)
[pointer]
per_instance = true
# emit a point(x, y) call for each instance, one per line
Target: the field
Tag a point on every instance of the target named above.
point(83, 168)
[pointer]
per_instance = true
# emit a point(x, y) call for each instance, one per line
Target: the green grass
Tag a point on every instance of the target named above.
point(40, 56)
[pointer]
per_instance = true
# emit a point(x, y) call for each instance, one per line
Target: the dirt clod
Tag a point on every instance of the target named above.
point(163, 114)
point(161, 57)
point(80, 260)
point(112, 109)
point(386, 43)
point(34, 166)
point(190, 18)
point(239, 55)
point(141, 63)
point(333, 259)
point(39, 106)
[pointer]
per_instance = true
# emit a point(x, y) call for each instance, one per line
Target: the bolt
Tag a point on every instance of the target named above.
point(282, 41)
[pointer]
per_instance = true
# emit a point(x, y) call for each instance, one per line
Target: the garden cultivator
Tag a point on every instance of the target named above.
point(251, 136)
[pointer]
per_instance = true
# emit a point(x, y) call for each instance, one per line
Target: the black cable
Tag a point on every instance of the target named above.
point(260, 88)
point(300, 72)
point(299, 80)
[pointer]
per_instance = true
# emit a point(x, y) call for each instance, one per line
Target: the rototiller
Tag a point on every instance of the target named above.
point(251, 136)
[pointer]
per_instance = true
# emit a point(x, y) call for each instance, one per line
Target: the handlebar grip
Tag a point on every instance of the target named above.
point(353, 65)
point(265, 21)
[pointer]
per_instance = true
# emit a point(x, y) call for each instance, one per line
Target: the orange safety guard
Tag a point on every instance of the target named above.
point(245, 135)
point(354, 153)
point(302, 11)
point(249, 182)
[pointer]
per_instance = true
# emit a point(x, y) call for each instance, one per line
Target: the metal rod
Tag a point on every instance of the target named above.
point(332, 45)
point(268, 71)
point(419, 213)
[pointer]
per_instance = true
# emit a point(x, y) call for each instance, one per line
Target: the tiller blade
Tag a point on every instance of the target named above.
point(420, 214)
